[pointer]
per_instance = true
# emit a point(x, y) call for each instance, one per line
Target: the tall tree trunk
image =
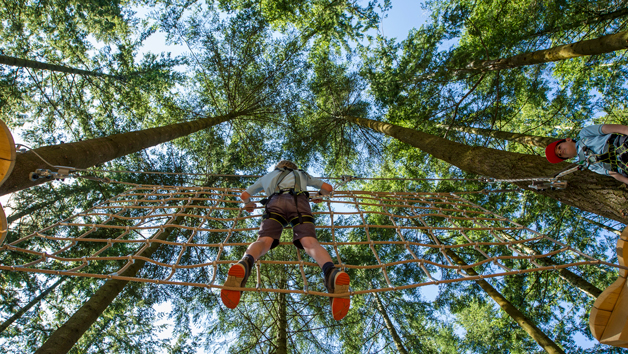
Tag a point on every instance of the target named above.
point(591, 20)
point(531, 140)
point(46, 204)
point(390, 326)
point(32, 208)
point(586, 190)
point(572, 278)
point(26, 63)
point(97, 336)
point(526, 324)
point(64, 338)
point(605, 44)
point(282, 325)
point(599, 224)
point(32, 303)
point(88, 153)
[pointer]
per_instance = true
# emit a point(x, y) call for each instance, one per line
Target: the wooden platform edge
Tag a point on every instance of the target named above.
point(608, 320)
point(7, 152)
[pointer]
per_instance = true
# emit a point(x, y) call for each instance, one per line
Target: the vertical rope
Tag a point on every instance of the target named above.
point(305, 284)
point(333, 233)
point(187, 243)
point(234, 223)
point(368, 237)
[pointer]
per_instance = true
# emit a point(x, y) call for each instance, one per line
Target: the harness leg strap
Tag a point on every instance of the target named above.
point(296, 205)
point(304, 218)
point(274, 216)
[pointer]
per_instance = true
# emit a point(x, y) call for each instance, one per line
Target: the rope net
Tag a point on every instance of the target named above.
point(435, 237)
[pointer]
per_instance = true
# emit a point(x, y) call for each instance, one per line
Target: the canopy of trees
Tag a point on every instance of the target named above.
point(476, 91)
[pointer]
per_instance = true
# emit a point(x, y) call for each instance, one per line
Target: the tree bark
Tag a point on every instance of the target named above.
point(26, 63)
point(605, 44)
point(282, 325)
point(572, 278)
point(391, 328)
point(64, 338)
point(97, 336)
point(531, 140)
point(526, 324)
point(586, 190)
point(596, 19)
point(88, 153)
point(57, 196)
point(599, 224)
point(32, 303)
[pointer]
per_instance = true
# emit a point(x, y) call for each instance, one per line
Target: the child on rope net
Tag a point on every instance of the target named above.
point(287, 203)
point(604, 146)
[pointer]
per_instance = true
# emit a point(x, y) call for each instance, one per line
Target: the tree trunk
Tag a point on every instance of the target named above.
point(605, 44)
point(32, 303)
point(586, 190)
point(46, 204)
point(282, 325)
point(572, 278)
point(64, 338)
point(599, 224)
point(602, 17)
point(88, 153)
point(25, 63)
point(390, 326)
point(527, 325)
point(32, 208)
point(531, 140)
point(97, 337)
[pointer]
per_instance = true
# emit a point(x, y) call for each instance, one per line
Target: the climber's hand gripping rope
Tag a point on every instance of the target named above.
point(250, 206)
point(317, 198)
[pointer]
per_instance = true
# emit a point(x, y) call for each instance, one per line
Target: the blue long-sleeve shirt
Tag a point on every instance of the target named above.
point(596, 141)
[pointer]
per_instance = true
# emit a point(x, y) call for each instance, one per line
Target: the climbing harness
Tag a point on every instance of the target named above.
point(295, 192)
point(617, 146)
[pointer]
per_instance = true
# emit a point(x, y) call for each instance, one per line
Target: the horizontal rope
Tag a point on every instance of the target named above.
point(345, 179)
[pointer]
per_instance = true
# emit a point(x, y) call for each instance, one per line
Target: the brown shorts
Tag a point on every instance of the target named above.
point(283, 204)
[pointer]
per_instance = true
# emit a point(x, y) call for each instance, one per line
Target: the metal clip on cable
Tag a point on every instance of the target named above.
point(543, 185)
point(486, 179)
point(347, 178)
point(61, 173)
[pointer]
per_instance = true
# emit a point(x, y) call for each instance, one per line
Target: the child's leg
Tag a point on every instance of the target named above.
point(259, 248)
point(336, 280)
point(239, 272)
point(315, 250)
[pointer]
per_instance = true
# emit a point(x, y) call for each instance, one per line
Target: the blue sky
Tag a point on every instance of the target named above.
point(399, 20)
point(402, 17)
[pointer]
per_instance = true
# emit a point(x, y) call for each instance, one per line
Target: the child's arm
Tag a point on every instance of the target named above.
point(246, 198)
point(614, 128)
point(325, 190)
point(619, 177)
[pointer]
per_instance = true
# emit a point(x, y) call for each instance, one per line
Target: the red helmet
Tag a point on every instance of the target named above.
point(550, 152)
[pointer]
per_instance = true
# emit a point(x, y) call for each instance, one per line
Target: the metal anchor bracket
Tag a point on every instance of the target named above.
point(41, 173)
point(544, 185)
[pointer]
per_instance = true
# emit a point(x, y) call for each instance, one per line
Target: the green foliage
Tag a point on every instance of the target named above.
point(290, 72)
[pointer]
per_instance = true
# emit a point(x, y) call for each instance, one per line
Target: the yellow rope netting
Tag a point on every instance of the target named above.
point(393, 229)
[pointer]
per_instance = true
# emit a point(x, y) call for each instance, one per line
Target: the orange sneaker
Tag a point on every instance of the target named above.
point(236, 278)
point(337, 282)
